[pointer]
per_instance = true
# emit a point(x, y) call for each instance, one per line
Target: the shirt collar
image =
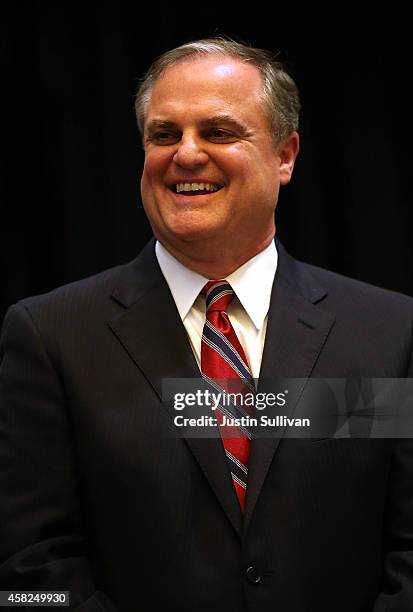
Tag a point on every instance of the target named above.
point(252, 282)
point(184, 284)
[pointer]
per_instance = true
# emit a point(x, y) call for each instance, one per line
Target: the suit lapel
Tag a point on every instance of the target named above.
point(151, 332)
point(296, 332)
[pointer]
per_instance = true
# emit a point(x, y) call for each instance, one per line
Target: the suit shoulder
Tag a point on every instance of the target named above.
point(87, 297)
point(100, 282)
point(350, 290)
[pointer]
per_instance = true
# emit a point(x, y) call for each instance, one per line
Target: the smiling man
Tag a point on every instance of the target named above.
point(212, 169)
point(97, 497)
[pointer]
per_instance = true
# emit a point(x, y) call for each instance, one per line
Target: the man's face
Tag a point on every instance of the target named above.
point(212, 173)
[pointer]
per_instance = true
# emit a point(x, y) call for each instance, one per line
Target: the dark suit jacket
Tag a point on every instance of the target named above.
point(97, 501)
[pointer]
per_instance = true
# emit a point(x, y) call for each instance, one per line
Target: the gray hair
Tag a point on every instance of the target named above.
point(280, 97)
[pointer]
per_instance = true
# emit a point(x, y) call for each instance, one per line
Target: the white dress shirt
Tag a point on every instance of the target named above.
point(248, 311)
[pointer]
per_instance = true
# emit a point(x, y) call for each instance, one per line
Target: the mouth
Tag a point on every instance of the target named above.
point(195, 189)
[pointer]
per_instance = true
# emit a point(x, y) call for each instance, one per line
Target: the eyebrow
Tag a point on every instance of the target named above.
point(211, 122)
point(160, 124)
point(219, 120)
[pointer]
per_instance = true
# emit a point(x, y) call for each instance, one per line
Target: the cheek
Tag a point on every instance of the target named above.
point(233, 163)
point(155, 165)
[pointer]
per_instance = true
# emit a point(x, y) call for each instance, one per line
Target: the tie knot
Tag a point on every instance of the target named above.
point(218, 294)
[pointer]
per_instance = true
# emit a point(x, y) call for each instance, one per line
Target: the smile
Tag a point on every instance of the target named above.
point(196, 188)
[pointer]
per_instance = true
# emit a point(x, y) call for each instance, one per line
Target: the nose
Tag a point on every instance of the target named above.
point(190, 152)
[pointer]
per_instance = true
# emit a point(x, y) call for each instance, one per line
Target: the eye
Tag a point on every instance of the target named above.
point(220, 135)
point(163, 137)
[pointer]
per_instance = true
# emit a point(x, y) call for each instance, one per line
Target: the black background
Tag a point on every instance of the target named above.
point(72, 158)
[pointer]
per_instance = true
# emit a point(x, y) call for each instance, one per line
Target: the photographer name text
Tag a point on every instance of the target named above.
point(245, 421)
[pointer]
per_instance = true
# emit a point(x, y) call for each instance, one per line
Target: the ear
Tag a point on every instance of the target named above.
point(288, 151)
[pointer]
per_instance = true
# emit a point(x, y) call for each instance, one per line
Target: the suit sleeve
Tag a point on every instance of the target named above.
point(397, 592)
point(41, 541)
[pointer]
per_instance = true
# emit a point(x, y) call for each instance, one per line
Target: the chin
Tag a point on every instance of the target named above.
point(193, 232)
point(193, 235)
point(193, 227)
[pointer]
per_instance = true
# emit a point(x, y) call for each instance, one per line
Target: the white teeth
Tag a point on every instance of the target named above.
point(196, 187)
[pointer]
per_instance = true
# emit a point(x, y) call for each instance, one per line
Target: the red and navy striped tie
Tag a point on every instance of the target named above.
point(223, 358)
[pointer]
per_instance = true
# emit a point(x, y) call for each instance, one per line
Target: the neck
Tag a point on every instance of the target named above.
point(215, 263)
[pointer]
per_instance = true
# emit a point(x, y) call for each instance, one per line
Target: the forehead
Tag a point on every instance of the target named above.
point(217, 85)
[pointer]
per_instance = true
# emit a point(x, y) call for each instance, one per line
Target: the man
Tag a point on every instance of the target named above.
point(96, 499)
